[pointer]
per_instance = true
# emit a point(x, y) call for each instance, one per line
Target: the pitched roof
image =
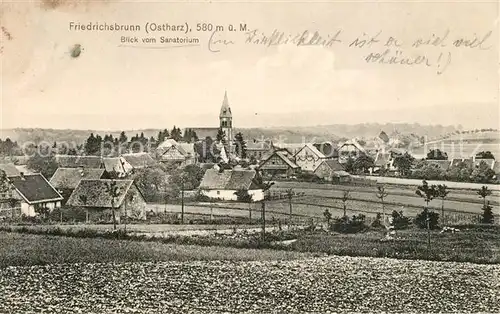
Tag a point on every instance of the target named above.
point(228, 179)
point(354, 143)
point(95, 192)
point(173, 153)
point(10, 170)
point(113, 164)
point(225, 110)
point(70, 161)
point(283, 155)
point(313, 149)
point(187, 148)
point(139, 160)
point(340, 173)
point(169, 142)
point(68, 178)
point(334, 164)
point(34, 188)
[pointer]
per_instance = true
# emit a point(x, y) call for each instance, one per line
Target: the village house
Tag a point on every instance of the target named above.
point(259, 149)
point(94, 195)
point(170, 151)
point(34, 193)
point(309, 158)
point(223, 184)
point(329, 170)
point(441, 164)
point(279, 163)
point(350, 149)
point(489, 162)
point(65, 180)
point(116, 166)
point(71, 161)
point(137, 161)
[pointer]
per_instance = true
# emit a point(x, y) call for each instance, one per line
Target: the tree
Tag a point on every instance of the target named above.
point(241, 145)
point(484, 192)
point(46, 165)
point(442, 192)
point(363, 163)
point(114, 192)
point(487, 217)
point(289, 194)
point(349, 165)
point(123, 138)
point(428, 193)
point(176, 134)
point(221, 136)
point(328, 217)
point(381, 195)
point(152, 182)
point(483, 173)
point(404, 163)
point(437, 154)
point(485, 155)
point(242, 195)
point(345, 198)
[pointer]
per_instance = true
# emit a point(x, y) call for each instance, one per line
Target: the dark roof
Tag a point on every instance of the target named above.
point(34, 188)
point(334, 164)
point(68, 178)
point(228, 179)
point(10, 170)
point(70, 161)
point(139, 160)
point(96, 194)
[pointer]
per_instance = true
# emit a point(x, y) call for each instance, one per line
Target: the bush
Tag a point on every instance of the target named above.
point(421, 219)
point(349, 225)
point(487, 217)
point(399, 221)
point(308, 177)
point(377, 223)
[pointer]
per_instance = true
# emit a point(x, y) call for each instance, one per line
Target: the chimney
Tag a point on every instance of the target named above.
point(21, 174)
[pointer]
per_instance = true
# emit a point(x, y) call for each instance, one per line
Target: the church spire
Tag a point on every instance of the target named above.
point(225, 110)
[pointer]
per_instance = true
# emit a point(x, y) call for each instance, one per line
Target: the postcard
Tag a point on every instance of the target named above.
point(249, 156)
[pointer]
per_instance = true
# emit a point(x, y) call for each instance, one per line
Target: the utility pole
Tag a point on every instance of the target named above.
point(182, 201)
point(289, 193)
point(263, 204)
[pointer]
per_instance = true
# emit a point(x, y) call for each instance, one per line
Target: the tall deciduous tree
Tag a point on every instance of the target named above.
point(382, 194)
point(428, 193)
point(404, 163)
point(221, 136)
point(442, 192)
point(114, 192)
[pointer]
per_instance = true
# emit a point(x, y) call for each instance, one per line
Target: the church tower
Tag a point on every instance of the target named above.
point(226, 121)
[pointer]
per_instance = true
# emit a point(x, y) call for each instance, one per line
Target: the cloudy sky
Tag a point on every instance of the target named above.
point(111, 87)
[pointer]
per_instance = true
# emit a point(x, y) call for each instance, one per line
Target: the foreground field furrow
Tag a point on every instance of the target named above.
point(313, 286)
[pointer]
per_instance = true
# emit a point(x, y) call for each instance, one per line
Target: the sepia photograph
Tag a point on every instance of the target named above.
point(249, 156)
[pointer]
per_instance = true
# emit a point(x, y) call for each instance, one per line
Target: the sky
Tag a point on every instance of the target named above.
point(109, 87)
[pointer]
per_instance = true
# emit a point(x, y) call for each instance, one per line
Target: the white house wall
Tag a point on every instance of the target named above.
point(229, 195)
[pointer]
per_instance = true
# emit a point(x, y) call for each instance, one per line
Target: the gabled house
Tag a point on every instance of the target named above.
point(70, 161)
point(328, 169)
point(455, 162)
point(489, 162)
point(223, 184)
point(92, 194)
point(34, 192)
point(309, 158)
point(279, 163)
point(259, 149)
point(350, 149)
point(65, 180)
point(137, 160)
point(117, 166)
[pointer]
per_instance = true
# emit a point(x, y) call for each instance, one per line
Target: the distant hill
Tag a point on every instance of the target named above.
point(332, 132)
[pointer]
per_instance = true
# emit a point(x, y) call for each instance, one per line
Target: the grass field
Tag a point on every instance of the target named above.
point(26, 249)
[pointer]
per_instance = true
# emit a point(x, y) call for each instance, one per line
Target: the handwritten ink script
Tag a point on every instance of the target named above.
point(434, 51)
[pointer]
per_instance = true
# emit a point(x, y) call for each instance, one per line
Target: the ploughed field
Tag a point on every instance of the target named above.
point(316, 285)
